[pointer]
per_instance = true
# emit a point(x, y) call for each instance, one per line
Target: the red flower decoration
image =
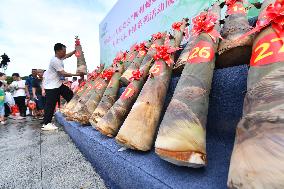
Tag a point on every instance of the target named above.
point(107, 74)
point(205, 22)
point(163, 52)
point(156, 36)
point(232, 2)
point(83, 84)
point(177, 25)
point(142, 48)
point(94, 74)
point(273, 14)
point(120, 58)
point(136, 75)
point(77, 41)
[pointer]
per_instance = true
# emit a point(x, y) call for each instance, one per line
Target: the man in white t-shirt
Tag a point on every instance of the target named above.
point(53, 84)
point(18, 87)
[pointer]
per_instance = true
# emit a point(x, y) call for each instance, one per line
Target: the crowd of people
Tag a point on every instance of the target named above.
point(28, 96)
point(40, 93)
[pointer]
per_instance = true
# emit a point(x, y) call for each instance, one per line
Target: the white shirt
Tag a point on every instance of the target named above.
point(51, 76)
point(19, 88)
point(74, 86)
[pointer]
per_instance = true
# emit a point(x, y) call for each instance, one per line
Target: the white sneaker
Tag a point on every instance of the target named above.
point(49, 127)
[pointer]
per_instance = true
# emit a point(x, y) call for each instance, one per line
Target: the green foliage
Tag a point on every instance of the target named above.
point(9, 79)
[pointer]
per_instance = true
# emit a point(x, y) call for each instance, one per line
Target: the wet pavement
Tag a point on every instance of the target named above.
point(31, 158)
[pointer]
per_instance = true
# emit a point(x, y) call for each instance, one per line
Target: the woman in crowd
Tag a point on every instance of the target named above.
point(39, 93)
point(18, 91)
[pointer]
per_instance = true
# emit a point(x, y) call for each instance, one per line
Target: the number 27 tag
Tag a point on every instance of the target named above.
point(268, 50)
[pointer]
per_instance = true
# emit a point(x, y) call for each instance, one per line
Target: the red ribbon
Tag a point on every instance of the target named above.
point(77, 42)
point(82, 84)
point(94, 74)
point(205, 22)
point(230, 3)
point(120, 58)
point(156, 36)
point(274, 15)
point(136, 75)
point(142, 48)
point(177, 25)
point(107, 74)
point(163, 52)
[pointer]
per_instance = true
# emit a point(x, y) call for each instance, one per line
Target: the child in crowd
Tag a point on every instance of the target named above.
point(2, 99)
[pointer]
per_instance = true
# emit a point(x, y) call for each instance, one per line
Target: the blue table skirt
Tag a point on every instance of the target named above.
point(130, 169)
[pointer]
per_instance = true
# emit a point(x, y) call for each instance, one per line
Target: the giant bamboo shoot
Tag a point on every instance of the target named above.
point(181, 138)
point(137, 132)
point(258, 156)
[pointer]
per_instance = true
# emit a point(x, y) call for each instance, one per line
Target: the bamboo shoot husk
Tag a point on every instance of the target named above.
point(137, 132)
point(111, 122)
point(258, 156)
point(231, 49)
point(139, 60)
point(86, 110)
point(181, 138)
point(82, 91)
point(81, 62)
point(109, 97)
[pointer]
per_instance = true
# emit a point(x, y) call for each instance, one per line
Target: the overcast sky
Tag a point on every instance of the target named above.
point(30, 28)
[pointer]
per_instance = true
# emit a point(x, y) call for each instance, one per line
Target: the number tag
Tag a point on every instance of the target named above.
point(142, 53)
point(131, 57)
point(157, 68)
point(89, 88)
point(268, 50)
point(80, 90)
point(129, 91)
point(236, 9)
point(202, 52)
point(98, 85)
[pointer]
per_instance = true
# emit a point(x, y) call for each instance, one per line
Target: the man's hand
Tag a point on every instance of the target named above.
point(43, 92)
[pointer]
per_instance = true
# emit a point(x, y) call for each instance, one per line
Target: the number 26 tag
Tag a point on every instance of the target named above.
point(202, 52)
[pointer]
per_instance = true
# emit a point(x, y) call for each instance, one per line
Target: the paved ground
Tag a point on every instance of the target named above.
point(30, 158)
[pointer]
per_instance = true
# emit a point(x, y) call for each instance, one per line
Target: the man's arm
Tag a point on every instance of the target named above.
point(27, 90)
point(34, 93)
point(66, 74)
point(68, 55)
